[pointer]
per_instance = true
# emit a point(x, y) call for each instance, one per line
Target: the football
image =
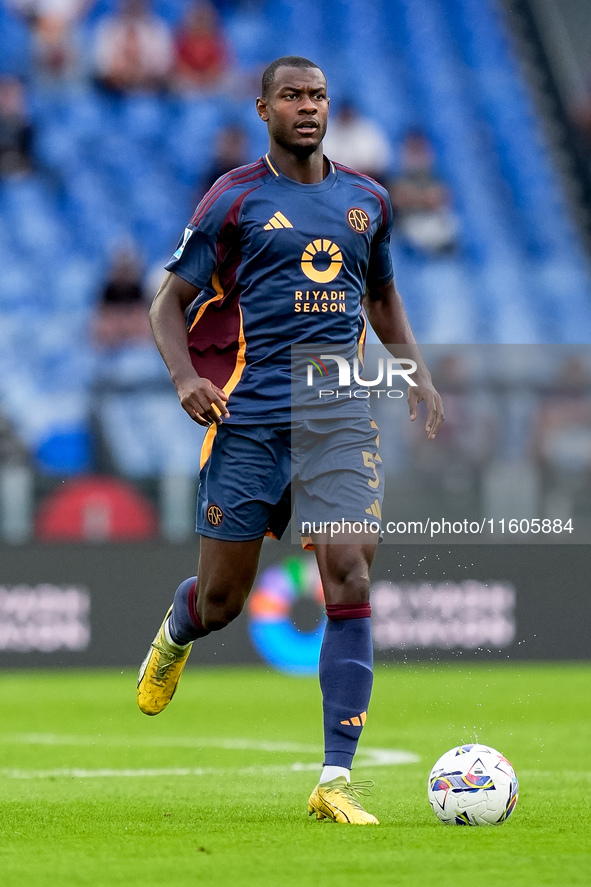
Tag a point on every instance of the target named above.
point(473, 785)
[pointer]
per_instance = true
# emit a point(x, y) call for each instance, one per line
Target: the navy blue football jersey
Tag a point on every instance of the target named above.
point(279, 263)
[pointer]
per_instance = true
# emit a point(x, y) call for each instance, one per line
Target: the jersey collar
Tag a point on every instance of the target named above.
point(286, 182)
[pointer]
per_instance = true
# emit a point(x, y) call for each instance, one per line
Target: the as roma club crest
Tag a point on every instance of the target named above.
point(215, 515)
point(358, 219)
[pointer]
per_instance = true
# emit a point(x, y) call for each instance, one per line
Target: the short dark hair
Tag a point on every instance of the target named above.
point(286, 61)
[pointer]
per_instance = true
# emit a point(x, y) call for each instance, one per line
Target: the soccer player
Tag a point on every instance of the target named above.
point(281, 252)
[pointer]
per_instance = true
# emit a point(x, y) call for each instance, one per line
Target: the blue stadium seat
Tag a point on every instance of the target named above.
point(250, 36)
point(15, 45)
point(65, 450)
point(148, 435)
point(75, 284)
point(18, 286)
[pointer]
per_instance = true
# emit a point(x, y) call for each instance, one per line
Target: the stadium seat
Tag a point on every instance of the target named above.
point(15, 45)
point(148, 435)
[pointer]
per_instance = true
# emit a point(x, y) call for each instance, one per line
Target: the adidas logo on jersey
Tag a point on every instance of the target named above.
point(277, 221)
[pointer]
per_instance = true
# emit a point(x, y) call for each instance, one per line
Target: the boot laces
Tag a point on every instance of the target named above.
point(354, 790)
point(165, 660)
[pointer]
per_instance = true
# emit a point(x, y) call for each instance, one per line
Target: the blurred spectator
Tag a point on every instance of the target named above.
point(472, 425)
point(201, 50)
point(421, 201)
point(449, 481)
point(581, 115)
point(140, 430)
point(357, 142)
point(68, 10)
point(56, 50)
point(133, 50)
point(561, 442)
point(122, 312)
point(16, 133)
point(12, 449)
point(562, 438)
point(55, 40)
point(230, 151)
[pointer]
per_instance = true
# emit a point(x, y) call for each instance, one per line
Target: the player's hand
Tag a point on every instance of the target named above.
point(203, 401)
point(431, 397)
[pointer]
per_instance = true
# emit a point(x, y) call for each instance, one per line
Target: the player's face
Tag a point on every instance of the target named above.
point(296, 109)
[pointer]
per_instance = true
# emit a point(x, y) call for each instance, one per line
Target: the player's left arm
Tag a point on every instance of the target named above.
point(387, 315)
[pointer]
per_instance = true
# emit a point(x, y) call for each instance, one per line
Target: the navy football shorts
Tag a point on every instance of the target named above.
point(326, 470)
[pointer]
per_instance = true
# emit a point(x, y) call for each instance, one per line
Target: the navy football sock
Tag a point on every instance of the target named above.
point(184, 623)
point(346, 678)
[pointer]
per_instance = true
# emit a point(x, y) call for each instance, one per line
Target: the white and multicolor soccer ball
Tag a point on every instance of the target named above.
point(473, 785)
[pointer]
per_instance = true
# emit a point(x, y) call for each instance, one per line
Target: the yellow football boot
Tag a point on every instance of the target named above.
point(337, 800)
point(160, 673)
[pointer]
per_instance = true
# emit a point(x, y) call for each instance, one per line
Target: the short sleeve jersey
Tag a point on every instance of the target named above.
point(279, 263)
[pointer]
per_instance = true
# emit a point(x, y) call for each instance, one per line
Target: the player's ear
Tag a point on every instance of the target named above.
point(262, 109)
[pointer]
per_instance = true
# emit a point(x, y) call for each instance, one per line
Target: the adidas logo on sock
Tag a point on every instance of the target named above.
point(356, 721)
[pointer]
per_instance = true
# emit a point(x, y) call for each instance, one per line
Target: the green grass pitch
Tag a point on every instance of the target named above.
point(213, 791)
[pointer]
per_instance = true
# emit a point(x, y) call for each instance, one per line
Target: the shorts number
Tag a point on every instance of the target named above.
point(369, 460)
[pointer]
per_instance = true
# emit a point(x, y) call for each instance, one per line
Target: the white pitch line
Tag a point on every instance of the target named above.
point(158, 741)
point(368, 757)
point(108, 772)
point(576, 775)
point(394, 758)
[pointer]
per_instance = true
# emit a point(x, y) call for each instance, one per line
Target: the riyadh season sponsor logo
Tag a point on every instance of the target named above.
point(318, 253)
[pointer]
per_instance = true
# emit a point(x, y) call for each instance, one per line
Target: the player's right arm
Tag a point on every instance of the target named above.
point(203, 401)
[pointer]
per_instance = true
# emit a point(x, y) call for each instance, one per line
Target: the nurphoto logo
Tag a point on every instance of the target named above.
point(388, 370)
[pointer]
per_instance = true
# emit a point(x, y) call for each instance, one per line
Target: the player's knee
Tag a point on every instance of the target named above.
point(215, 614)
point(348, 585)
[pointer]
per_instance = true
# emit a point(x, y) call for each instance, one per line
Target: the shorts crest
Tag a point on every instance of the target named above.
point(215, 515)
